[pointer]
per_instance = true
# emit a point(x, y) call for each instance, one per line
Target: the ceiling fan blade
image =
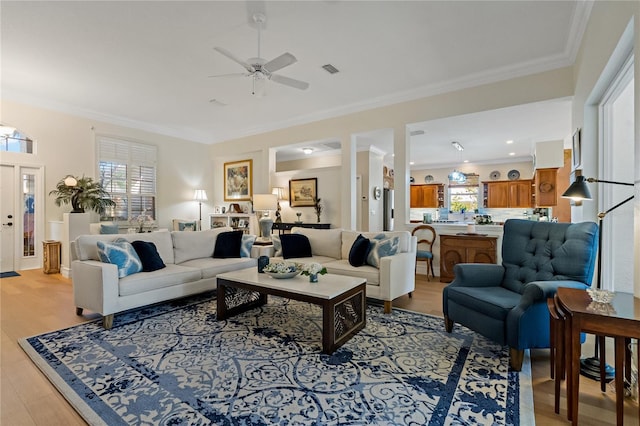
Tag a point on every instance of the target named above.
point(302, 85)
point(280, 62)
point(235, 74)
point(231, 56)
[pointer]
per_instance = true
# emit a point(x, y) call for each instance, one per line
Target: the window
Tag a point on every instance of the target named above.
point(463, 197)
point(128, 172)
point(11, 140)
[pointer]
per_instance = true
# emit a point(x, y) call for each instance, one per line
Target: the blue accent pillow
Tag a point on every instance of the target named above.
point(359, 251)
point(381, 248)
point(149, 256)
point(120, 252)
point(187, 226)
point(228, 245)
point(295, 245)
point(108, 228)
point(247, 243)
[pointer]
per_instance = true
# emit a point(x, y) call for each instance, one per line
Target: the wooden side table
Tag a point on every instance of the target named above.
point(619, 319)
point(51, 256)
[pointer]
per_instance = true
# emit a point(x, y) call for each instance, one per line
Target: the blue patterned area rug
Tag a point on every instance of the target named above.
point(175, 364)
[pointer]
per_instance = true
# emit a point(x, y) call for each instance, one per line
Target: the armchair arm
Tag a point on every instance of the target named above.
point(95, 286)
point(397, 275)
point(477, 275)
point(540, 291)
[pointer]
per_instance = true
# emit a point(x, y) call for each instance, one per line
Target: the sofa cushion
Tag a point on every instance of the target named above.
point(170, 276)
point(210, 266)
point(86, 248)
point(149, 256)
point(228, 245)
point(194, 245)
point(342, 267)
point(295, 245)
point(122, 254)
point(359, 251)
point(380, 247)
point(247, 244)
point(277, 245)
point(324, 242)
point(495, 302)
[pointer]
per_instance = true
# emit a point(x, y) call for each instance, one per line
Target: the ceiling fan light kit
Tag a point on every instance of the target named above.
point(260, 69)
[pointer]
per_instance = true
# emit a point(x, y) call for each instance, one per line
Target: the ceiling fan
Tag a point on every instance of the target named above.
point(259, 69)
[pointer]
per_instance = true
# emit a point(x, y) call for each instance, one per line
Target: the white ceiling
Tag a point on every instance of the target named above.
point(146, 64)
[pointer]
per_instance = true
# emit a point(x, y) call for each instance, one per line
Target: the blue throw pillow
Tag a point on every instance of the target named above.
point(149, 256)
point(381, 248)
point(121, 253)
point(295, 245)
point(108, 228)
point(359, 251)
point(247, 243)
point(228, 245)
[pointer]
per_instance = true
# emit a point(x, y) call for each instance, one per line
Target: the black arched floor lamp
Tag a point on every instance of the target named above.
point(578, 190)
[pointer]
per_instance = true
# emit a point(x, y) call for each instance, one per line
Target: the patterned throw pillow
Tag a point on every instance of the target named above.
point(247, 243)
point(381, 247)
point(120, 252)
point(187, 226)
point(277, 245)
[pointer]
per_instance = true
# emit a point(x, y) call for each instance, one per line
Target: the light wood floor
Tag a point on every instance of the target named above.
point(35, 303)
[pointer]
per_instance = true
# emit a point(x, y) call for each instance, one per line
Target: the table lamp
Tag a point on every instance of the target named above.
point(200, 195)
point(578, 190)
point(265, 203)
point(280, 193)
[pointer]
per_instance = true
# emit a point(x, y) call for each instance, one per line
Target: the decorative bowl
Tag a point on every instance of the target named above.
point(600, 296)
point(283, 275)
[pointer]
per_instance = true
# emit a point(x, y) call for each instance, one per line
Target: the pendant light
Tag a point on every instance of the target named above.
point(457, 176)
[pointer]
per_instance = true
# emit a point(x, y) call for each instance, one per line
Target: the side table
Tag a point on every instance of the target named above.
point(51, 256)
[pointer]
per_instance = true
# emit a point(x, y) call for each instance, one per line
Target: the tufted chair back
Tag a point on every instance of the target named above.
point(545, 251)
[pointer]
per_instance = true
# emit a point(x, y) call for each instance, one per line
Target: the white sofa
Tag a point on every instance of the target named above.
point(395, 276)
point(190, 269)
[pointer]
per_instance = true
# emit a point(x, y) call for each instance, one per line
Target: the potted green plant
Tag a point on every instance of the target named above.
point(82, 193)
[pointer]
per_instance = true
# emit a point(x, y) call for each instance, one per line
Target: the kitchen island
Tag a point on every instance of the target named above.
point(444, 228)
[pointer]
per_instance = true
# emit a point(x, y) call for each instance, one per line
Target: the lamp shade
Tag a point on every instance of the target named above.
point(265, 202)
point(200, 195)
point(279, 192)
point(578, 190)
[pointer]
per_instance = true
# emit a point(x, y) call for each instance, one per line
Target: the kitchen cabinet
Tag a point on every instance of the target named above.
point(546, 192)
point(429, 196)
point(508, 194)
point(465, 248)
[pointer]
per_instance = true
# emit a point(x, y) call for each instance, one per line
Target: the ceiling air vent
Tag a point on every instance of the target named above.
point(330, 69)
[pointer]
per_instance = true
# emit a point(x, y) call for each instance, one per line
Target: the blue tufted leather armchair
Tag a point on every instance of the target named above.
point(507, 303)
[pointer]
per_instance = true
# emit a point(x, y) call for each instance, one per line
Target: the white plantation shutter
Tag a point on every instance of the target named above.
point(128, 172)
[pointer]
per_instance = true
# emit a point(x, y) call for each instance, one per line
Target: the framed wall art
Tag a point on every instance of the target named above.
point(302, 192)
point(575, 150)
point(238, 178)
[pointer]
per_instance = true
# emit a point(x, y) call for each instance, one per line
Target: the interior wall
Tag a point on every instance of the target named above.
point(66, 145)
point(609, 37)
point(534, 88)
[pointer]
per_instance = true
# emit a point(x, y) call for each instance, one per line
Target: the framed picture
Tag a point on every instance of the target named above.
point(217, 210)
point(302, 192)
point(242, 223)
point(575, 151)
point(238, 178)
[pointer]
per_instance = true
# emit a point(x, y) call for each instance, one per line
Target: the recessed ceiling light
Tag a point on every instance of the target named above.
point(465, 161)
point(307, 151)
point(512, 153)
point(411, 163)
point(509, 142)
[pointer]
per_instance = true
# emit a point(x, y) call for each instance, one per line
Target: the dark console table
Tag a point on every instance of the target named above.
point(286, 226)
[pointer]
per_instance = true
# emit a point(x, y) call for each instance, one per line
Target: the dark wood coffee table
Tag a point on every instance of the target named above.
point(342, 299)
